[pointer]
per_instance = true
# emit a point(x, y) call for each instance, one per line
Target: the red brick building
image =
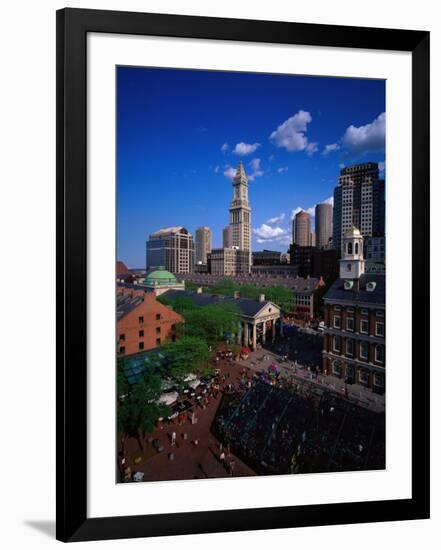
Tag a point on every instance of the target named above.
point(142, 322)
point(354, 346)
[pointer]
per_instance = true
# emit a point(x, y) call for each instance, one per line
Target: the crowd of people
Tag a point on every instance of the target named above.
point(276, 428)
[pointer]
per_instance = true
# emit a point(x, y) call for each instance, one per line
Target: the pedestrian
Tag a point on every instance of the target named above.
point(196, 442)
point(222, 457)
point(173, 439)
point(232, 464)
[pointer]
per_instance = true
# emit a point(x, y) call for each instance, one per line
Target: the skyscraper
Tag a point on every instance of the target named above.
point(240, 211)
point(358, 201)
point(323, 224)
point(302, 229)
point(203, 244)
point(171, 248)
point(226, 237)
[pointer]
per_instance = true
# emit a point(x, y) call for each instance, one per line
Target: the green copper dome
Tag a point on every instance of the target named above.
point(160, 277)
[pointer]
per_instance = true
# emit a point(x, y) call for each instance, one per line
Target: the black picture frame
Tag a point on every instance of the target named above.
point(72, 28)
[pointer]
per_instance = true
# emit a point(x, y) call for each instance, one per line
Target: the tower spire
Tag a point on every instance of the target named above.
point(241, 175)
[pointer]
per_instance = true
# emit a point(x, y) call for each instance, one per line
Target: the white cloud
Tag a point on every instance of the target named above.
point(342, 165)
point(368, 138)
point(284, 240)
point(331, 148)
point(277, 219)
point(216, 169)
point(382, 166)
point(282, 169)
point(256, 169)
point(312, 148)
point(310, 211)
point(267, 232)
point(255, 164)
point(271, 157)
point(225, 147)
point(229, 172)
point(291, 134)
point(244, 149)
point(329, 200)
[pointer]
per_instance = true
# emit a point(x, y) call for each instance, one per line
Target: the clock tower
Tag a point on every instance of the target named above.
point(240, 211)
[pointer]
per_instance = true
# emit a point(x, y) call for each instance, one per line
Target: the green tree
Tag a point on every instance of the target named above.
point(212, 323)
point(138, 406)
point(189, 354)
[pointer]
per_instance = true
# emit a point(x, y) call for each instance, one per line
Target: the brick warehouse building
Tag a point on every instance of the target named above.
point(142, 322)
point(355, 320)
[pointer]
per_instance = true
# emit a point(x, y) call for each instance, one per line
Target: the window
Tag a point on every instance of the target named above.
point(158, 330)
point(348, 267)
point(379, 353)
point(122, 337)
point(350, 324)
point(337, 321)
point(141, 345)
point(141, 333)
point(122, 350)
point(141, 320)
point(379, 328)
point(364, 350)
point(356, 248)
point(337, 308)
point(158, 341)
point(350, 309)
point(349, 347)
point(158, 316)
point(364, 326)
point(336, 344)
point(364, 312)
point(363, 376)
point(349, 248)
point(378, 380)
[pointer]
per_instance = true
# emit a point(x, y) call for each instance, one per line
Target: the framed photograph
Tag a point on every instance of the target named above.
point(229, 194)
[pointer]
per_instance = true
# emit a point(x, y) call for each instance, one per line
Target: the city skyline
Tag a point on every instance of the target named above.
point(292, 150)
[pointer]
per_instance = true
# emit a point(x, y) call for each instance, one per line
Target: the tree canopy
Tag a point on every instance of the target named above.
point(138, 404)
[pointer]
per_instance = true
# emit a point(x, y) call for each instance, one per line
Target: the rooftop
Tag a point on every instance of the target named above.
point(160, 276)
point(169, 230)
point(127, 302)
point(337, 291)
point(247, 306)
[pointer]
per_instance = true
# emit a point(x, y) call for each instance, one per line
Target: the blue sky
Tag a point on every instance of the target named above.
point(181, 134)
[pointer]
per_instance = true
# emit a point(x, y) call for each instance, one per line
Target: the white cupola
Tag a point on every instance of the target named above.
point(352, 262)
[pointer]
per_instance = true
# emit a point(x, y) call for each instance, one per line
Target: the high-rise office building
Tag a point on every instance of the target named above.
point(229, 261)
point(240, 211)
point(203, 244)
point(358, 202)
point(302, 229)
point(323, 224)
point(172, 248)
point(226, 237)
